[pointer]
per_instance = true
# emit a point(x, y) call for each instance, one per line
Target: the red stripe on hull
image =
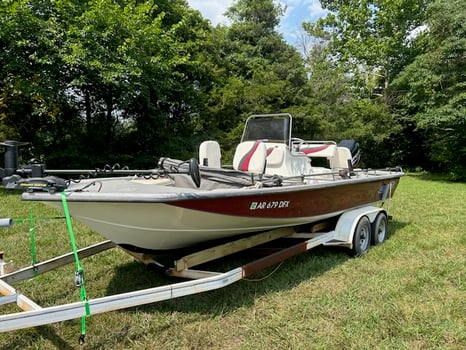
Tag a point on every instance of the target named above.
point(299, 203)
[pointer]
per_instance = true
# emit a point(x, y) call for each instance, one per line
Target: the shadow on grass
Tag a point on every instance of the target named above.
point(277, 278)
point(394, 227)
point(441, 178)
point(136, 276)
point(285, 276)
point(44, 332)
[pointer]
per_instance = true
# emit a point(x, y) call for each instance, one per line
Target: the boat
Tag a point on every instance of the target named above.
point(274, 183)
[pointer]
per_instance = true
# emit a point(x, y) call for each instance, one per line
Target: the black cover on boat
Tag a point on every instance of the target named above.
point(219, 178)
point(353, 146)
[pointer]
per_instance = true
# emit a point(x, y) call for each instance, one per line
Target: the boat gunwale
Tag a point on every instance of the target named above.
point(198, 194)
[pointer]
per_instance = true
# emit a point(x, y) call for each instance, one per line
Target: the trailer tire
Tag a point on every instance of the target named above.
point(361, 237)
point(379, 229)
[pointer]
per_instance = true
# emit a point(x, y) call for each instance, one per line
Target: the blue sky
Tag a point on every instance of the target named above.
point(297, 12)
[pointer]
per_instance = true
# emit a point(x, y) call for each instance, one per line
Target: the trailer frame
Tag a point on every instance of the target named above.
point(32, 314)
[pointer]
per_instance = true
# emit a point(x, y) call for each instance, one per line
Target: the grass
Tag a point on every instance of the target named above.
point(408, 293)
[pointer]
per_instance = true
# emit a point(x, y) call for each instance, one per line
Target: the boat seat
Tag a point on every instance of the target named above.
point(341, 158)
point(274, 156)
point(318, 150)
point(250, 156)
point(210, 155)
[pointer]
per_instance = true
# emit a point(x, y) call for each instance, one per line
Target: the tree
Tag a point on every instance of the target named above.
point(80, 78)
point(343, 102)
point(176, 79)
point(372, 41)
point(371, 35)
point(30, 76)
point(431, 90)
point(258, 71)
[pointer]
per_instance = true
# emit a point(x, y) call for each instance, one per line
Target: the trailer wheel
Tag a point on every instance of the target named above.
point(379, 229)
point(361, 237)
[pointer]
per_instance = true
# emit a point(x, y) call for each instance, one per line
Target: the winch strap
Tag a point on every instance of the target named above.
point(79, 269)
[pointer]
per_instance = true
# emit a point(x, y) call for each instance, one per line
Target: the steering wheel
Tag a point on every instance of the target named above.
point(195, 172)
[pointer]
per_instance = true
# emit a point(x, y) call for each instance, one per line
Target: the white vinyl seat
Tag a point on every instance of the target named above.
point(250, 156)
point(210, 154)
point(275, 157)
point(341, 158)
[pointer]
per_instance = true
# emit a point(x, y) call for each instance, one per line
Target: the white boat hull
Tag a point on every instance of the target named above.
point(158, 226)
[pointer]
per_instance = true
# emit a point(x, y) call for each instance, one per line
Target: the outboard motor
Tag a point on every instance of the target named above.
point(353, 146)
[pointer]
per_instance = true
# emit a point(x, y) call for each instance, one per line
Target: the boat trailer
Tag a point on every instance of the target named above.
point(355, 229)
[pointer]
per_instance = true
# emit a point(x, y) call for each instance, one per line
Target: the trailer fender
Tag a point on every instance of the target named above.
point(346, 224)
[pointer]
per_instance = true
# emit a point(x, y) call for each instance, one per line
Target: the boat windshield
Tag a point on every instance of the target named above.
point(275, 128)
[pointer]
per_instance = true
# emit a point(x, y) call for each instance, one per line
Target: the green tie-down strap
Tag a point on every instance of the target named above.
point(32, 239)
point(79, 275)
point(32, 234)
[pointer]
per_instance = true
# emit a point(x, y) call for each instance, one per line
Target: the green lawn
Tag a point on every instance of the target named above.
point(408, 293)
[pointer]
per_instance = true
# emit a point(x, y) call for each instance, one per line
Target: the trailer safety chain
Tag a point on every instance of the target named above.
point(79, 274)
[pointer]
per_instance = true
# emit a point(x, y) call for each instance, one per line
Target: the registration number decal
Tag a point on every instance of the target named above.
point(269, 205)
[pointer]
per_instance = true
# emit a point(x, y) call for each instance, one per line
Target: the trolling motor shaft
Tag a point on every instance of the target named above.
point(11, 157)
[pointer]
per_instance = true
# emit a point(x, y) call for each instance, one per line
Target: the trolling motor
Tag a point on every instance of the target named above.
point(11, 157)
point(26, 179)
point(50, 184)
point(33, 177)
point(8, 174)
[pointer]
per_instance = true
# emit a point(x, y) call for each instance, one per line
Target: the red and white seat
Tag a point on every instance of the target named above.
point(250, 156)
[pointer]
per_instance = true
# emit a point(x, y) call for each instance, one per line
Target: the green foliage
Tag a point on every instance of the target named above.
point(411, 54)
point(373, 33)
point(74, 72)
point(342, 106)
point(102, 81)
point(432, 89)
point(260, 72)
point(28, 96)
